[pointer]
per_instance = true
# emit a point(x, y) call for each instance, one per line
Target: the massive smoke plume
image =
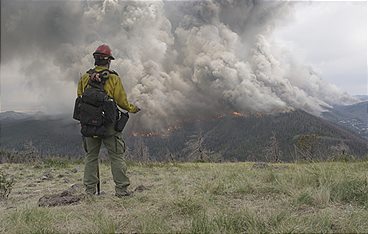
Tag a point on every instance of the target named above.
point(176, 59)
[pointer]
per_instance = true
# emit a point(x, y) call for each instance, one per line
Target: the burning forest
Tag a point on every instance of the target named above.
point(175, 58)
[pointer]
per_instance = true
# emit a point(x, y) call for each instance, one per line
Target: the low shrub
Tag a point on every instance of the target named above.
point(6, 185)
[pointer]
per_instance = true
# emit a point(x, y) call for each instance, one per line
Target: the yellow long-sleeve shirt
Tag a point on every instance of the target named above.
point(113, 87)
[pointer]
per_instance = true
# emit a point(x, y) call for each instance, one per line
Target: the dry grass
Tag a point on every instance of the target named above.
point(189, 197)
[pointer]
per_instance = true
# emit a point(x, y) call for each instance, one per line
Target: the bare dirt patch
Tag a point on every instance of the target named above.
point(71, 196)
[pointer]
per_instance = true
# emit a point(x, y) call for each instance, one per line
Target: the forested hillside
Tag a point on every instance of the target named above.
point(354, 117)
point(279, 137)
point(287, 136)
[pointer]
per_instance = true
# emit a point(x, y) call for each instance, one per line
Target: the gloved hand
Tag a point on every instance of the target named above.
point(137, 109)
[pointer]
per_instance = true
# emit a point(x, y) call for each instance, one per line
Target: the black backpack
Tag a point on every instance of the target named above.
point(95, 110)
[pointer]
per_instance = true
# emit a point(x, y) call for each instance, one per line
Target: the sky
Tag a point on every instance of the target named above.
point(332, 38)
point(184, 57)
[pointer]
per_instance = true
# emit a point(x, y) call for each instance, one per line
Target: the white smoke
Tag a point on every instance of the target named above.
point(181, 59)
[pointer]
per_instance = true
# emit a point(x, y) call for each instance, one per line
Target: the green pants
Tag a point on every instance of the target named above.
point(116, 148)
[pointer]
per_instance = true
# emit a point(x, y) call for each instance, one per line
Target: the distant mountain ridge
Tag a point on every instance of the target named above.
point(361, 97)
point(354, 117)
point(12, 115)
point(249, 138)
point(229, 138)
point(9, 116)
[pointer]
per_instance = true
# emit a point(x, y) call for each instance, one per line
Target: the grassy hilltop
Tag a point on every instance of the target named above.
point(190, 197)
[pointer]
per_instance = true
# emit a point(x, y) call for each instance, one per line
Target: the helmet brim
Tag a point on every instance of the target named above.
point(100, 54)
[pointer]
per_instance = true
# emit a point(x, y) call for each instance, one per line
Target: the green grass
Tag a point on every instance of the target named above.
point(55, 163)
point(195, 198)
point(30, 220)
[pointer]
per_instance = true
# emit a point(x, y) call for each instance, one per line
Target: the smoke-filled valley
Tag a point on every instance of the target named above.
point(177, 60)
point(289, 136)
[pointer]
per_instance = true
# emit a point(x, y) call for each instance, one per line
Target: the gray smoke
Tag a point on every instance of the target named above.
point(177, 60)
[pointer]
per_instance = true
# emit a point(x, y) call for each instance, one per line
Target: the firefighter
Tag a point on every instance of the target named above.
point(112, 140)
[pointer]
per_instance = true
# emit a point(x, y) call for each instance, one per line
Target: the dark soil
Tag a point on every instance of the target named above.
point(71, 196)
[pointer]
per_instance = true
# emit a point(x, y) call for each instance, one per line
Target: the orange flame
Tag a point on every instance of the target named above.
point(237, 113)
point(168, 130)
point(163, 133)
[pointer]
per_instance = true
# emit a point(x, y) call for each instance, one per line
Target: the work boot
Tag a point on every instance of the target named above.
point(90, 191)
point(124, 193)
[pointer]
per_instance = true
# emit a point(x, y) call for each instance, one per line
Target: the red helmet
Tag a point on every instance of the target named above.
point(104, 50)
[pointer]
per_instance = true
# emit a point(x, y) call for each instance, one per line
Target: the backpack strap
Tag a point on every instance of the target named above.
point(102, 78)
point(114, 72)
point(93, 70)
point(104, 75)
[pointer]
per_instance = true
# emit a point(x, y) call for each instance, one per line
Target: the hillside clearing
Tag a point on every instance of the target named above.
point(194, 197)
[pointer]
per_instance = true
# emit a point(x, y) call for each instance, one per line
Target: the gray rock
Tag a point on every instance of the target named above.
point(140, 188)
point(66, 180)
point(47, 176)
point(75, 170)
